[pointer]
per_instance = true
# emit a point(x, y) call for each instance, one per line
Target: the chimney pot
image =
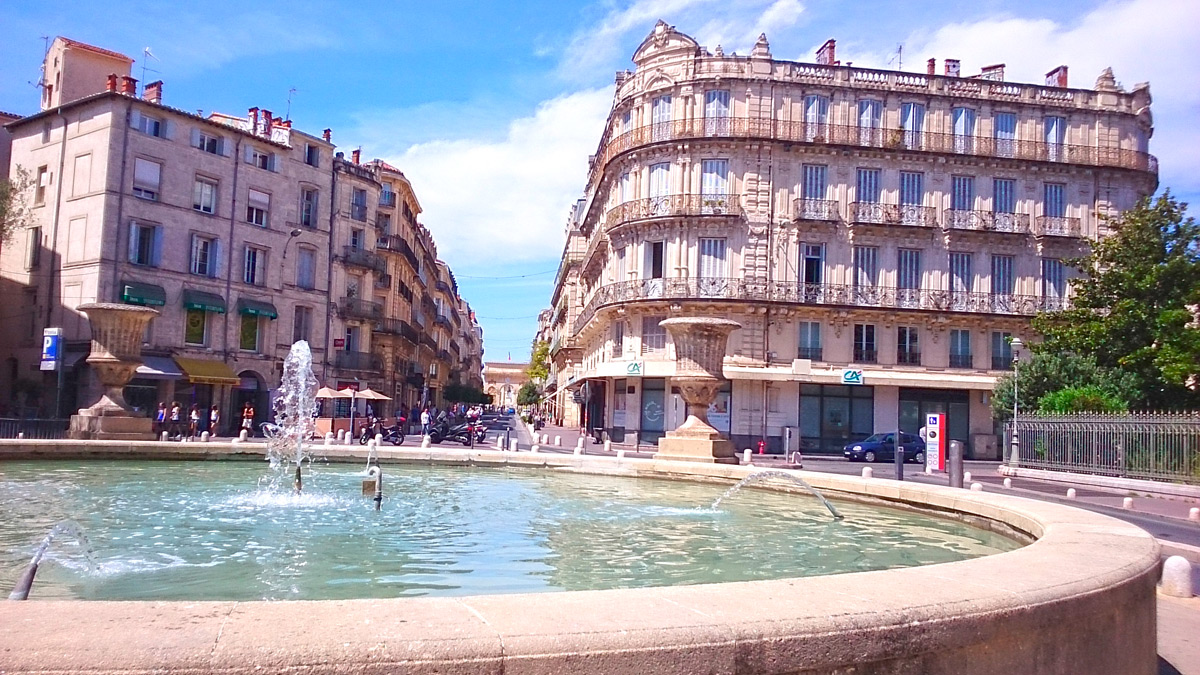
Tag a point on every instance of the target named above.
point(254, 120)
point(268, 122)
point(111, 85)
point(355, 155)
point(826, 55)
point(153, 92)
point(327, 134)
point(952, 68)
point(1057, 77)
point(128, 85)
point(931, 67)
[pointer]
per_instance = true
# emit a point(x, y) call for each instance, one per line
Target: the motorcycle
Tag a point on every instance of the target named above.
point(463, 432)
point(393, 434)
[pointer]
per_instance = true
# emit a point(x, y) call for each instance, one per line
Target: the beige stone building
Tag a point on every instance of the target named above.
point(502, 380)
point(880, 235)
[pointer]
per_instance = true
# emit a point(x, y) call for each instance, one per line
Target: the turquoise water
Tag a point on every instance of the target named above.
point(206, 531)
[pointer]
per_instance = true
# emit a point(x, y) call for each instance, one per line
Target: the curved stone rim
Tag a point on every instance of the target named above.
point(133, 309)
point(1017, 611)
point(700, 322)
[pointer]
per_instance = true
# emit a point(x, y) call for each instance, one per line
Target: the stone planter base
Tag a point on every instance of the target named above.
point(111, 427)
point(713, 450)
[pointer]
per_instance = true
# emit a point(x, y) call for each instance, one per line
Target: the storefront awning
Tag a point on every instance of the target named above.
point(207, 371)
point(257, 307)
point(158, 368)
point(205, 302)
point(137, 293)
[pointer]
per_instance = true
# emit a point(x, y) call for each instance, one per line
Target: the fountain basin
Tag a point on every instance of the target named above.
point(1080, 598)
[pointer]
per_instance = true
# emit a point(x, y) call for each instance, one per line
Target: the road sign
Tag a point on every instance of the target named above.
point(852, 376)
point(935, 442)
point(51, 348)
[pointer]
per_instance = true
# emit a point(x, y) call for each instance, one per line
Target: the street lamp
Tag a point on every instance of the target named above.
point(1016, 346)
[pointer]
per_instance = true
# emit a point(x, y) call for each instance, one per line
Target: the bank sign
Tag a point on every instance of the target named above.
point(852, 376)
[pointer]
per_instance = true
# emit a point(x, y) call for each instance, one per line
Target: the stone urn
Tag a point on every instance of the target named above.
point(117, 331)
point(699, 353)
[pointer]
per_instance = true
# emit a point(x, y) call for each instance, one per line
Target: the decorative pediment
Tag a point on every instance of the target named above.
point(663, 40)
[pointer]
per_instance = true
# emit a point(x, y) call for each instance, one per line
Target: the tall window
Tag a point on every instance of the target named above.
point(357, 239)
point(1001, 350)
point(260, 158)
point(716, 112)
point(660, 188)
point(1054, 282)
point(660, 117)
point(146, 178)
point(625, 192)
point(1004, 195)
point(960, 349)
point(815, 184)
point(908, 269)
point(713, 264)
point(912, 122)
point(308, 207)
point(1006, 134)
point(195, 327)
point(870, 116)
point(1003, 281)
point(249, 333)
point(866, 266)
point(908, 349)
point(714, 185)
point(40, 184)
point(312, 154)
point(258, 208)
point(621, 271)
point(812, 270)
point(912, 188)
point(33, 248)
point(204, 256)
point(864, 343)
point(961, 281)
point(302, 324)
point(207, 142)
point(654, 265)
point(1055, 131)
point(654, 336)
point(816, 116)
point(358, 204)
point(964, 130)
point(204, 196)
point(1054, 203)
point(962, 195)
point(306, 268)
point(618, 339)
point(868, 186)
point(145, 244)
point(810, 340)
point(254, 269)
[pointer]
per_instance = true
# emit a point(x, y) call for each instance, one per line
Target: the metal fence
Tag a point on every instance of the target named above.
point(33, 428)
point(1153, 446)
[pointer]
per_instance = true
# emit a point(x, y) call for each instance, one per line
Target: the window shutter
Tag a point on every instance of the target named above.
point(195, 138)
point(248, 154)
point(133, 241)
point(223, 147)
point(135, 119)
point(168, 129)
point(156, 257)
point(214, 258)
point(274, 162)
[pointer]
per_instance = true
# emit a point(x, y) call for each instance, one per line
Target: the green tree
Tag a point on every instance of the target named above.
point(1048, 372)
point(14, 204)
point(1090, 398)
point(1132, 309)
point(529, 394)
point(539, 361)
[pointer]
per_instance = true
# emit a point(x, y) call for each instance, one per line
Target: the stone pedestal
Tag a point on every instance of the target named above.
point(699, 353)
point(116, 353)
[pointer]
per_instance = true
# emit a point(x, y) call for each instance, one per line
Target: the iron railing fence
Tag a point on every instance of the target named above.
point(33, 428)
point(1149, 446)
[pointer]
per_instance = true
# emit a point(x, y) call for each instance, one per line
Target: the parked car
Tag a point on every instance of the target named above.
point(881, 447)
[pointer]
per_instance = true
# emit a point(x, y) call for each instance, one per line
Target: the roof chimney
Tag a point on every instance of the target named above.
point(128, 85)
point(952, 67)
point(268, 122)
point(995, 72)
point(327, 134)
point(1057, 77)
point(826, 54)
point(111, 85)
point(931, 67)
point(254, 121)
point(153, 92)
point(356, 155)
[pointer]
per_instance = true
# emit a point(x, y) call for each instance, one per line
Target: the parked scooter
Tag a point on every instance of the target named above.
point(462, 432)
point(393, 434)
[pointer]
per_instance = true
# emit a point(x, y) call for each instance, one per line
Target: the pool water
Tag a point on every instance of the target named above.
point(205, 530)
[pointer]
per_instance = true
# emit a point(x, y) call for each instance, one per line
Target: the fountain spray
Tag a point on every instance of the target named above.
point(294, 411)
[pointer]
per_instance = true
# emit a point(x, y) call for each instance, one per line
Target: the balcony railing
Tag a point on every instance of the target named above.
point(962, 361)
point(1051, 226)
point(428, 341)
point(810, 353)
point(908, 358)
point(383, 282)
point(674, 205)
point(357, 308)
point(873, 213)
point(865, 355)
point(1001, 362)
point(987, 221)
point(361, 257)
point(396, 327)
point(815, 133)
point(442, 320)
point(830, 295)
point(816, 209)
point(358, 212)
point(387, 199)
point(357, 360)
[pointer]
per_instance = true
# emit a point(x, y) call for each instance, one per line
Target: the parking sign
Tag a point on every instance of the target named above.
point(51, 348)
point(935, 442)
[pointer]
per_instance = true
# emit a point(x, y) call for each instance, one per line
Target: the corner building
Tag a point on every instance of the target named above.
point(880, 235)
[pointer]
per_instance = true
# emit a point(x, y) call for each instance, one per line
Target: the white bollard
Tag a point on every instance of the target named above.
point(966, 476)
point(203, 436)
point(578, 451)
point(21, 435)
point(558, 441)
point(1070, 493)
point(328, 438)
point(977, 487)
point(371, 443)
point(425, 442)
point(378, 440)
point(499, 442)
point(1008, 483)
point(867, 472)
point(245, 435)
point(1194, 514)
point(579, 442)
point(1127, 503)
point(340, 435)
point(512, 445)
point(746, 456)
point(607, 445)
point(620, 455)
point(1177, 577)
point(545, 439)
point(236, 440)
point(349, 439)
point(534, 448)
point(165, 436)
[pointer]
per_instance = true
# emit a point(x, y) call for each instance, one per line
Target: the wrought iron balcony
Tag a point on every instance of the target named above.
point(673, 205)
point(1000, 362)
point(987, 221)
point(357, 308)
point(383, 282)
point(361, 257)
point(365, 361)
point(444, 355)
point(442, 320)
point(1051, 226)
point(865, 355)
point(387, 199)
point(908, 357)
point(428, 341)
point(907, 215)
point(962, 361)
point(810, 353)
point(816, 209)
point(389, 326)
point(798, 293)
point(358, 212)
point(405, 291)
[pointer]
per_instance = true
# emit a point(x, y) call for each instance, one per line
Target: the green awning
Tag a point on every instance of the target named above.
point(136, 293)
point(205, 302)
point(257, 307)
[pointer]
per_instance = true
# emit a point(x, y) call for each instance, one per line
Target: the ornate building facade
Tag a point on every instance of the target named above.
point(880, 235)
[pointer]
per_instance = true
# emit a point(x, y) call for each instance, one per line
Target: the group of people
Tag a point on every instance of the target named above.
point(172, 420)
point(430, 415)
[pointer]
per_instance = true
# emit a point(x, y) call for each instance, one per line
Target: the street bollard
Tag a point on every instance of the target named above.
point(976, 487)
point(620, 455)
point(203, 436)
point(1194, 514)
point(340, 435)
point(328, 438)
point(558, 441)
point(348, 440)
point(1177, 577)
point(746, 456)
point(499, 443)
point(512, 445)
point(21, 435)
point(867, 472)
point(1127, 503)
point(378, 440)
point(165, 436)
point(1008, 483)
point(545, 439)
point(966, 476)
point(534, 448)
point(1070, 493)
point(236, 440)
point(607, 445)
point(244, 435)
point(426, 442)
point(578, 451)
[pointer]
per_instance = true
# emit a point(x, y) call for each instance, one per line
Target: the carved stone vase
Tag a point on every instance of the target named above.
point(116, 353)
point(699, 353)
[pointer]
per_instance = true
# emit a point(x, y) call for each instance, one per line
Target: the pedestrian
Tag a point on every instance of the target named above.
point(214, 420)
point(248, 419)
point(160, 419)
point(176, 430)
point(194, 421)
point(425, 422)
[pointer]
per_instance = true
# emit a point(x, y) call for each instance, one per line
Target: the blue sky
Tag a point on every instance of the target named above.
point(491, 108)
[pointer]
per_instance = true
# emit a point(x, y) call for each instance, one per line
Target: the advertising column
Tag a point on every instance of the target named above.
point(935, 442)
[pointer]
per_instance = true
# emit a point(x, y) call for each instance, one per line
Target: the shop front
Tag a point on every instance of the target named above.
point(205, 384)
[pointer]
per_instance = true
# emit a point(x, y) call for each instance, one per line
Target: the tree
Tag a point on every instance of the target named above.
point(1048, 372)
point(456, 392)
point(539, 361)
point(529, 394)
point(1090, 398)
point(14, 204)
point(1135, 304)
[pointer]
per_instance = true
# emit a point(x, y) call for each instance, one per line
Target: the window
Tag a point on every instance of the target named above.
point(254, 269)
point(654, 336)
point(1054, 282)
point(816, 116)
point(248, 335)
point(308, 207)
point(146, 178)
point(383, 222)
point(962, 193)
point(145, 244)
point(81, 177)
point(357, 239)
point(868, 189)
point(660, 117)
point(33, 249)
point(204, 196)
point(1004, 195)
point(912, 188)
point(203, 256)
point(621, 271)
point(352, 334)
point(716, 112)
point(626, 120)
point(207, 142)
point(40, 185)
point(45, 132)
point(655, 262)
point(713, 267)
point(870, 114)
point(1003, 281)
point(195, 327)
point(810, 340)
point(312, 155)
point(1054, 204)
point(1001, 350)
point(302, 324)
point(353, 286)
point(260, 158)
point(618, 339)
point(714, 186)
point(908, 269)
point(625, 191)
point(912, 122)
point(964, 130)
point(358, 204)
point(1055, 129)
point(151, 126)
point(660, 189)
point(1006, 134)
point(815, 184)
point(960, 349)
point(864, 343)
point(258, 208)
point(960, 273)
point(306, 269)
point(908, 349)
point(813, 264)
point(866, 266)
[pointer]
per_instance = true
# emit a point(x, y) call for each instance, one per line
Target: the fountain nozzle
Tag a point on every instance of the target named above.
point(299, 479)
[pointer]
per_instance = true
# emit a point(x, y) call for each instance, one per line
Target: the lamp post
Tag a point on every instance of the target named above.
point(1016, 345)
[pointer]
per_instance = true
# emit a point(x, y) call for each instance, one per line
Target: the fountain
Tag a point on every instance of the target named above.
point(762, 476)
point(699, 352)
point(69, 527)
point(295, 409)
point(117, 332)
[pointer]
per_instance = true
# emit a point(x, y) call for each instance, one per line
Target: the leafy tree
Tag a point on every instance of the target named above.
point(461, 393)
point(529, 394)
point(1089, 398)
point(539, 361)
point(1133, 306)
point(1047, 372)
point(14, 204)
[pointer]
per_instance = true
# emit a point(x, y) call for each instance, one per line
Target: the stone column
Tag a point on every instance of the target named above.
point(117, 331)
point(699, 353)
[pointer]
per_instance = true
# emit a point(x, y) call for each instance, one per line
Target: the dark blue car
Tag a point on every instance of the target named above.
point(882, 447)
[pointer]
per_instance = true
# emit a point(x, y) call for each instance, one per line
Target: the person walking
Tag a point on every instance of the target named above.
point(160, 419)
point(176, 430)
point(425, 422)
point(194, 422)
point(248, 419)
point(214, 420)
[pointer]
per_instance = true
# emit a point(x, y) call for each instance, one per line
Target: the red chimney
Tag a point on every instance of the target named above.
point(128, 85)
point(1057, 77)
point(952, 68)
point(254, 121)
point(931, 67)
point(825, 55)
point(153, 92)
point(327, 134)
point(355, 155)
point(111, 85)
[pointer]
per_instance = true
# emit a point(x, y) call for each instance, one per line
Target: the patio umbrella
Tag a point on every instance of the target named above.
point(350, 394)
point(373, 395)
point(326, 392)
